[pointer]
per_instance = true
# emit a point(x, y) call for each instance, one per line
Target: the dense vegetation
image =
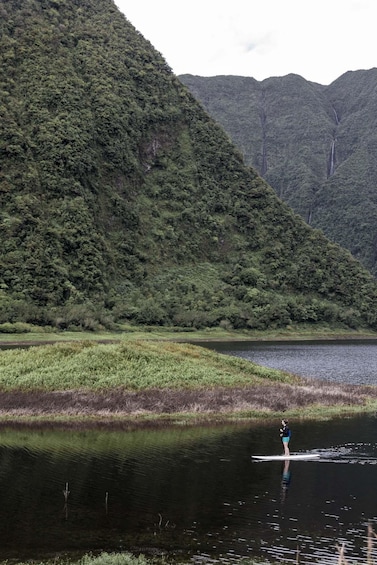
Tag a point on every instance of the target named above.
point(315, 145)
point(121, 200)
point(133, 365)
point(124, 558)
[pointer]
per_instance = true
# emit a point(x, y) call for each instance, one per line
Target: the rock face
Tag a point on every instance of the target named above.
point(315, 145)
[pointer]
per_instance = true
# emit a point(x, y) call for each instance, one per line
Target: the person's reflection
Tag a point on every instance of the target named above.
point(285, 480)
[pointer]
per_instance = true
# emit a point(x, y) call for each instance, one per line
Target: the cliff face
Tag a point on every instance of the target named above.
point(314, 144)
point(122, 200)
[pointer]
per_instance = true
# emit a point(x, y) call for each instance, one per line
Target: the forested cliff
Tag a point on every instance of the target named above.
point(123, 200)
point(314, 144)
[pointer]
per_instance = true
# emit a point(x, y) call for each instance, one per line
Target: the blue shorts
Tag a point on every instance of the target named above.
point(285, 439)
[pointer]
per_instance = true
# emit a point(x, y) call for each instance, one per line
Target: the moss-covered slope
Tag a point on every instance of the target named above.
point(121, 199)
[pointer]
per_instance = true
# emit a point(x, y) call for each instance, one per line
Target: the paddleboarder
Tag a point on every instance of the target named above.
point(285, 434)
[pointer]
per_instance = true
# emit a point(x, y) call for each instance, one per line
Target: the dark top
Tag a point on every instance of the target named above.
point(285, 431)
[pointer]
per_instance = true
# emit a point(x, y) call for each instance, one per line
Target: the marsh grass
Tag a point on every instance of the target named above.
point(102, 559)
point(129, 559)
point(132, 365)
point(371, 539)
point(117, 559)
point(165, 380)
point(120, 559)
point(45, 335)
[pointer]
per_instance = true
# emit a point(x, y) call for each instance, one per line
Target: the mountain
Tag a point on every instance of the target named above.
point(315, 145)
point(122, 200)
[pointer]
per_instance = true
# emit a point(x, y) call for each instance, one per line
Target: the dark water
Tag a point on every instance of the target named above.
point(342, 361)
point(194, 493)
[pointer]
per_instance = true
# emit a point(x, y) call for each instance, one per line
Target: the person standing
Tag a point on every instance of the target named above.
point(285, 434)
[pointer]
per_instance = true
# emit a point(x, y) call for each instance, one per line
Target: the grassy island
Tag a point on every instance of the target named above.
point(143, 378)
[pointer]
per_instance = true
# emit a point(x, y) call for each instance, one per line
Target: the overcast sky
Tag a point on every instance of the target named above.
point(317, 39)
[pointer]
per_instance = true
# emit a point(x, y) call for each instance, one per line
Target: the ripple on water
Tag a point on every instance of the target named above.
point(353, 453)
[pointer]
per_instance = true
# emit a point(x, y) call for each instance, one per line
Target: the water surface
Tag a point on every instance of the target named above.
point(193, 493)
point(347, 361)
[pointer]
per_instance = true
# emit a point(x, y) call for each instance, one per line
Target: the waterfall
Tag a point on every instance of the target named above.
point(263, 119)
point(331, 164)
point(332, 159)
point(309, 219)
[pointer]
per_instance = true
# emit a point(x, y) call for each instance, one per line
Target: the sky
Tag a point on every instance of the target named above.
point(317, 39)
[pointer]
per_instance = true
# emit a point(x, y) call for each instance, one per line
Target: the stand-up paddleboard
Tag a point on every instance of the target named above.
point(297, 456)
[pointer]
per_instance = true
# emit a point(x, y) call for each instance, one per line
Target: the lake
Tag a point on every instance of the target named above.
point(195, 493)
point(347, 361)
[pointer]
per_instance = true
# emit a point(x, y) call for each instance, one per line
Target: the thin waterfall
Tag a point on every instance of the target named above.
point(332, 159)
point(309, 218)
point(263, 119)
point(332, 162)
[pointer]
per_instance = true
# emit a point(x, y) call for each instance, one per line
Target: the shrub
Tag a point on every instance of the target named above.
point(16, 328)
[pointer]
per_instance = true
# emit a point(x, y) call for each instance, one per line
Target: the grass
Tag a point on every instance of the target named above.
point(128, 332)
point(119, 559)
point(129, 559)
point(147, 380)
point(102, 559)
point(132, 365)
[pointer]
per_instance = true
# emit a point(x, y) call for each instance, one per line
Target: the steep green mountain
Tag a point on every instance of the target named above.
point(123, 200)
point(315, 145)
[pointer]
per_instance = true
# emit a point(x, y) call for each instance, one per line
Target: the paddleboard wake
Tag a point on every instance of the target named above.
point(294, 456)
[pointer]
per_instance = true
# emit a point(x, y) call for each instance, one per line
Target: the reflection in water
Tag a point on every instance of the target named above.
point(193, 493)
point(285, 479)
point(66, 495)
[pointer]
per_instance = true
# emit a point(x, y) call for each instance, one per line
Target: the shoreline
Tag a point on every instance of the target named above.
point(34, 339)
point(117, 408)
point(82, 406)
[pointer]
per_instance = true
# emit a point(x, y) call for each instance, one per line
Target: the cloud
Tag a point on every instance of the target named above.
point(248, 47)
point(318, 39)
